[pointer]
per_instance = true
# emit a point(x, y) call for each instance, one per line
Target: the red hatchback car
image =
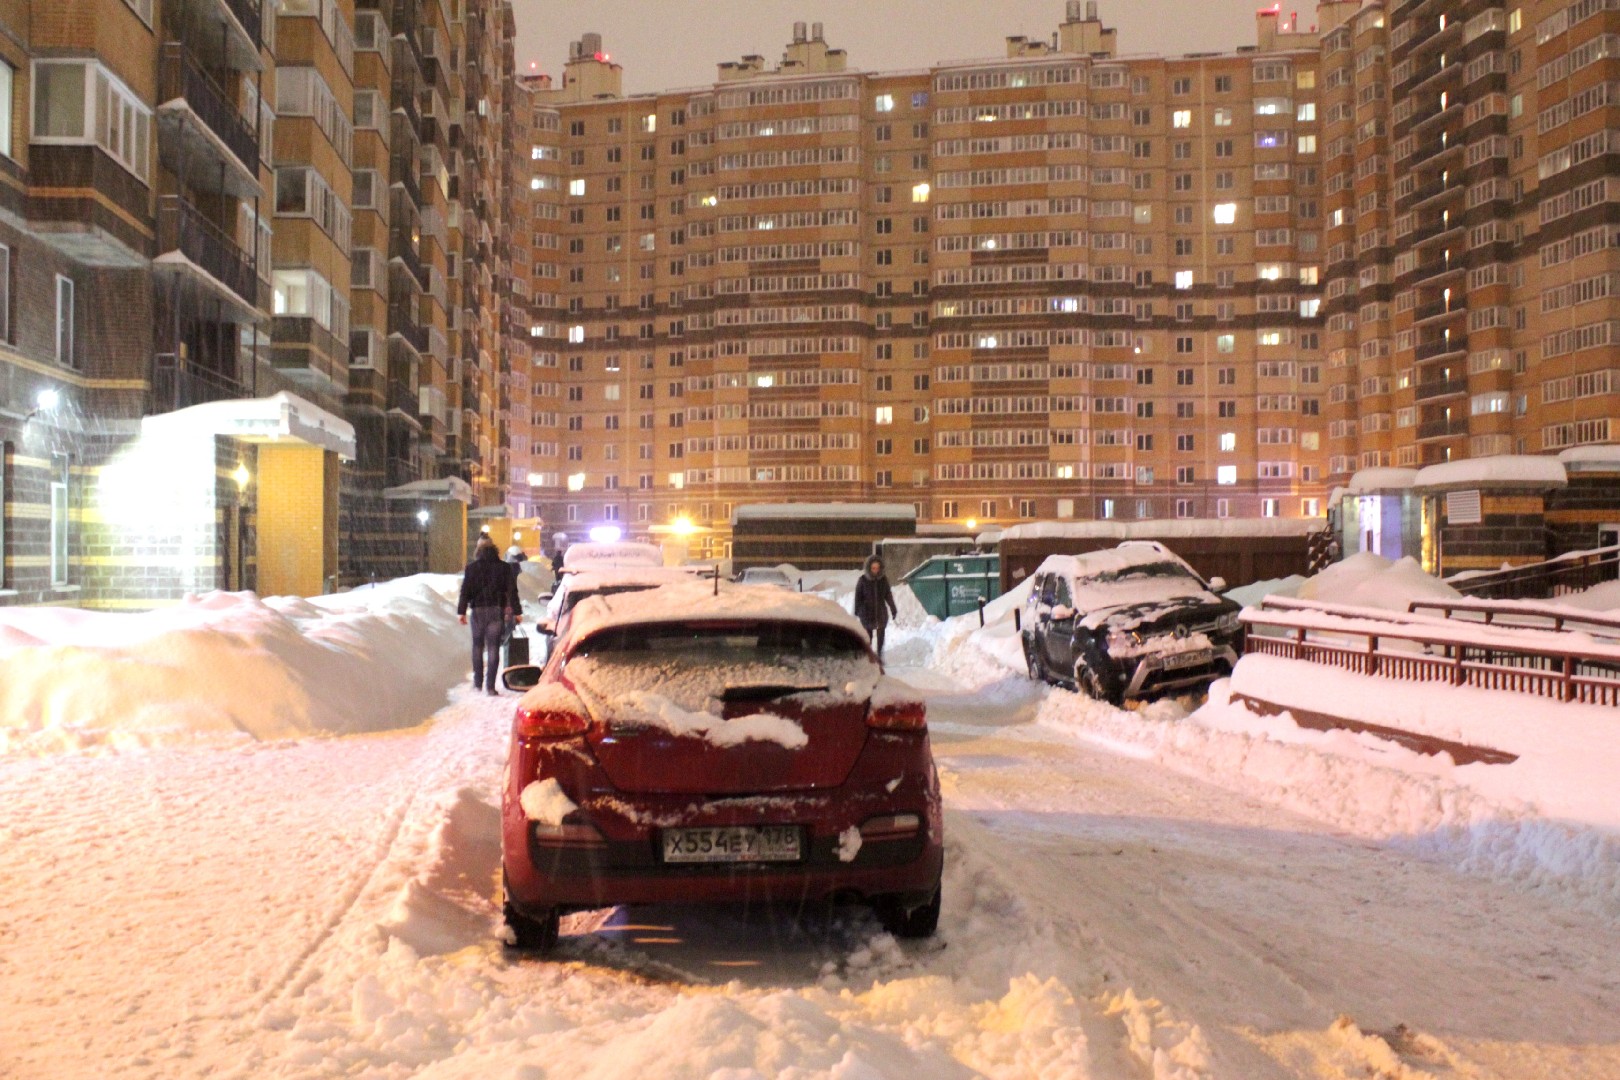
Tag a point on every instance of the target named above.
point(688, 746)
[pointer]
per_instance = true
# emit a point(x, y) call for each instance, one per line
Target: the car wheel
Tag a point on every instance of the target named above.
point(903, 922)
point(1031, 663)
point(1089, 678)
point(528, 934)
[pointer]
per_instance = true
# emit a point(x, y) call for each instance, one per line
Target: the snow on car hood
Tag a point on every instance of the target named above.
point(1134, 602)
point(688, 698)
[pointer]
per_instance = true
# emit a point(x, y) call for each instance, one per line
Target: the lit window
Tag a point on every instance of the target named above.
point(884, 103)
point(576, 481)
point(1223, 117)
point(1309, 308)
point(1225, 213)
point(1224, 342)
point(1226, 474)
point(534, 183)
point(1307, 144)
point(920, 193)
point(1307, 112)
point(1310, 507)
point(576, 334)
point(1181, 118)
point(884, 414)
point(1268, 507)
point(1184, 279)
point(677, 480)
point(576, 187)
point(1228, 443)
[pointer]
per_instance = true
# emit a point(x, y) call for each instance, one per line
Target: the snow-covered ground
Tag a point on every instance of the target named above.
point(248, 838)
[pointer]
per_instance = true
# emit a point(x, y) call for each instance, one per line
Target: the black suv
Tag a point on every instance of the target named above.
point(1128, 622)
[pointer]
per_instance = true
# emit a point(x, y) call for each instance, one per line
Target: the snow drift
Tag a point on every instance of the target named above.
point(229, 665)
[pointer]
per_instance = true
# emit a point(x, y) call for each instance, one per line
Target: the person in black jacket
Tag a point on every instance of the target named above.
point(490, 591)
point(874, 602)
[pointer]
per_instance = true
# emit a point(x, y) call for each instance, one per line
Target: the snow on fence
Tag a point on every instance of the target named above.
point(1524, 615)
point(1570, 572)
point(1418, 648)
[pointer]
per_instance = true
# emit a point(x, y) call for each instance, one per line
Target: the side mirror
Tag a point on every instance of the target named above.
point(521, 677)
point(1217, 584)
point(1062, 613)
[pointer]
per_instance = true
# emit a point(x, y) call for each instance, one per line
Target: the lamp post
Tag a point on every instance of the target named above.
point(422, 517)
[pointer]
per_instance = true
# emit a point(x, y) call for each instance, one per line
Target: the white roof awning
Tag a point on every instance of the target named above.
point(279, 418)
point(443, 489)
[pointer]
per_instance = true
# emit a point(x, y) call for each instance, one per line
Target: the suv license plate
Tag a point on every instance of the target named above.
point(1187, 659)
point(733, 844)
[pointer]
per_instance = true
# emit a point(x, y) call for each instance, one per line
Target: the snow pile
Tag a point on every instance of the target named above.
point(1368, 580)
point(228, 665)
point(1604, 597)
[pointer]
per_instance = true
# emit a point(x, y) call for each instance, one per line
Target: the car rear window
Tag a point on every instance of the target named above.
point(720, 641)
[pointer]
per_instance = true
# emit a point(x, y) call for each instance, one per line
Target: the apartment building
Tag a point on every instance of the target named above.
point(1067, 283)
point(210, 374)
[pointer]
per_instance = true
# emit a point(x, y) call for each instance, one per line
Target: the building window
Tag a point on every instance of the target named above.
point(64, 321)
point(7, 81)
point(884, 103)
point(79, 103)
point(59, 518)
point(5, 296)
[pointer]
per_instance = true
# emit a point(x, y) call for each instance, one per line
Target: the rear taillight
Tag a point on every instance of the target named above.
point(898, 716)
point(567, 834)
point(890, 826)
point(549, 723)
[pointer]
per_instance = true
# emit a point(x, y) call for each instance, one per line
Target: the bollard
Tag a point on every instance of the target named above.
point(981, 611)
point(801, 584)
point(1018, 620)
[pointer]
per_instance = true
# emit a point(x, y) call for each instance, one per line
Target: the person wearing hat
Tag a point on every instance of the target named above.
point(874, 602)
point(489, 590)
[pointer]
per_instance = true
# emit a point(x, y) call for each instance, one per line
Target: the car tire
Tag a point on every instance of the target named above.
point(903, 922)
point(1090, 679)
point(1032, 665)
point(529, 934)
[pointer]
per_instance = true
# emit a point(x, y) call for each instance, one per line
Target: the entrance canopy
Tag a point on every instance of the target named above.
point(280, 418)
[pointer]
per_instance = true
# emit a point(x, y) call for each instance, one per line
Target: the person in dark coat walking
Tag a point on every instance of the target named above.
point(490, 591)
point(874, 602)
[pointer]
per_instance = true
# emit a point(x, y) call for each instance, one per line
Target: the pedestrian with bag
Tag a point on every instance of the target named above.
point(874, 603)
point(489, 593)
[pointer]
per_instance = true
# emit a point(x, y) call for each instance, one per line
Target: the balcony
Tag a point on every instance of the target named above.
point(197, 249)
point(401, 248)
point(1444, 428)
point(403, 321)
point(1429, 389)
point(177, 384)
point(1428, 350)
point(202, 134)
point(1439, 308)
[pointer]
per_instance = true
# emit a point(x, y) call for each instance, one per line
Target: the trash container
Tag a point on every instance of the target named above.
point(949, 585)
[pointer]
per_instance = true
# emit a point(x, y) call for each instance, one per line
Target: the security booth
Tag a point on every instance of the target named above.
point(948, 585)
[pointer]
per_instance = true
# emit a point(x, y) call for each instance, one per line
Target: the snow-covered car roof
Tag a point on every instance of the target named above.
point(619, 553)
point(1114, 560)
point(594, 578)
point(686, 601)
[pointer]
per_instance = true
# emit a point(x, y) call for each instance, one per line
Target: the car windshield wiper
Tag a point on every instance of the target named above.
point(765, 691)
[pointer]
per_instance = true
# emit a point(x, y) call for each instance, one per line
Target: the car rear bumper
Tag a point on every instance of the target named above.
point(622, 863)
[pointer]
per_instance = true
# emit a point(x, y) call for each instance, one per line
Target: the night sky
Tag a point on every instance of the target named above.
point(666, 44)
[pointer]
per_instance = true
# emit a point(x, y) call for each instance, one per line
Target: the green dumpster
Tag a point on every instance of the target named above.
point(949, 585)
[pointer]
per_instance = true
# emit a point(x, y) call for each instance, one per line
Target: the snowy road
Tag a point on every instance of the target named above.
point(322, 908)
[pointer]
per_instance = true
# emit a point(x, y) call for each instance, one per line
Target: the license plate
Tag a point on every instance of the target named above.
point(1187, 659)
point(732, 844)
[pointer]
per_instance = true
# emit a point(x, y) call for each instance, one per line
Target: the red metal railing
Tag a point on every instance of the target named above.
point(1426, 649)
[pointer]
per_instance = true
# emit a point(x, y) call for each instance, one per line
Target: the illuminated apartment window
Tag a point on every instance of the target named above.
point(920, 193)
point(576, 481)
point(1225, 213)
point(1226, 474)
point(1228, 443)
point(884, 414)
point(1181, 118)
point(576, 187)
point(884, 103)
point(1184, 279)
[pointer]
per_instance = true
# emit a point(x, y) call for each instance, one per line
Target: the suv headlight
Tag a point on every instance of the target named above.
point(1119, 641)
point(1228, 622)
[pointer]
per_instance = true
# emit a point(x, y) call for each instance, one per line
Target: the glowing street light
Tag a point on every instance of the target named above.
point(972, 523)
point(241, 476)
point(682, 526)
point(606, 534)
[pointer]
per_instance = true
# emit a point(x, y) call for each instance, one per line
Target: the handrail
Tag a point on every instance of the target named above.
point(1486, 658)
point(1574, 570)
point(1495, 610)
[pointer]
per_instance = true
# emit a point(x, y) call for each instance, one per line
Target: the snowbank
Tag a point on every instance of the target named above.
point(1368, 580)
point(228, 665)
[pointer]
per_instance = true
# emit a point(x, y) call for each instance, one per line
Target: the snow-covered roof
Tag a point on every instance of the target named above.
point(1605, 458)
point(1505, 470)
point(686, 601)
point(822, 511)
point(1156, 530)
point(268, 419)
point(621, 553)
point(1368, 481)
